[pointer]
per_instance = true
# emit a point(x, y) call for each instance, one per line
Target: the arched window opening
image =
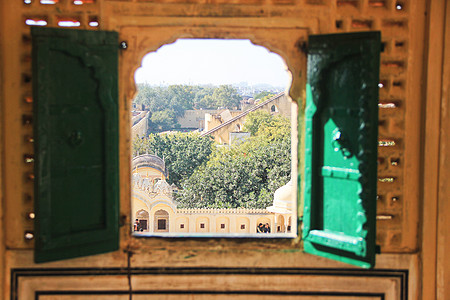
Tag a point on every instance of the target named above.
point(273, 109)
point(195, 110)
point(161, 221)
point(141, 221)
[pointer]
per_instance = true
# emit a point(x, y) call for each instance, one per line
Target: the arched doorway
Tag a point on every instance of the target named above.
point(280, 224)
point(274, 109)
point(161, 221)
point(142, 220)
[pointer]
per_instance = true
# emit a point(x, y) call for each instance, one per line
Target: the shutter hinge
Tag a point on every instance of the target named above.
point(122, 220)
point(123, 45)
point(302, 46)
point(377, 249)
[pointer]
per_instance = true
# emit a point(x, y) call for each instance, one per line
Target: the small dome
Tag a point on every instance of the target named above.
point(163, 187)
point(149, 160)
point(282, 200)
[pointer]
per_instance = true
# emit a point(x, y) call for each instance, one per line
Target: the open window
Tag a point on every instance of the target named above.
point(76, 133)
point(232, 169)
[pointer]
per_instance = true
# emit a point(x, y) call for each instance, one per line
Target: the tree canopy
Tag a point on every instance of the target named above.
point(245, 175)
point(182, 152)
point(263, 95)
point(168, 103)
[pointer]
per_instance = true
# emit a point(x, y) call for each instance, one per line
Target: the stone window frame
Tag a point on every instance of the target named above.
point(282, 41)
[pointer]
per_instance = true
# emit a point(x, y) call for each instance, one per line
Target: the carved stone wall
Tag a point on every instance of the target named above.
point(280, 25)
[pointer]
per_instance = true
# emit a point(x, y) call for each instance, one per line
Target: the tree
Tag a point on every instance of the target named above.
point(245, 175)
point(163, 120)
point(254, 121)
point(263, 95)
point(168, 103)
point(262, 123)
point(182, 152)
point(226, 96)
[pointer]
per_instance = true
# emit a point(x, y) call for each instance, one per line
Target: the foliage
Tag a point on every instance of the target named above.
point(245, 175)
point(263, 95)
point(262, 123)
point(163, 120)
point(168, 103)
point(226, 96)
point(182, 152)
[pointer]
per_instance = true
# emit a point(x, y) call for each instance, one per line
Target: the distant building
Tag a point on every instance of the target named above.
point(139, 121)
point(222, 129)
point(156, 211)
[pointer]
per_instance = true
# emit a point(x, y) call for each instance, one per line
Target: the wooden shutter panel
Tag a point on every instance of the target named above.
point(76, 142)
point(341, 147)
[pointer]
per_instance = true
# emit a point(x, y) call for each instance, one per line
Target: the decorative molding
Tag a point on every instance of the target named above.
point(396, 280)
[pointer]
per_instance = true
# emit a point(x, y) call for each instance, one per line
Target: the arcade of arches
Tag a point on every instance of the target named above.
point(155, 210)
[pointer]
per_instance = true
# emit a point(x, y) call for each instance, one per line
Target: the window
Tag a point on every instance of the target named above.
point(242, 226)
point(181, 226)
point(161, 224)
point(176, 158)
point(340, 146)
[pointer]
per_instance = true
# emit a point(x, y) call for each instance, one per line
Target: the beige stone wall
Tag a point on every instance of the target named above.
point(413, 164)
point(140, 128)
point(215, 119)
point(220, 130)
point(188, 221)
point(194, 118)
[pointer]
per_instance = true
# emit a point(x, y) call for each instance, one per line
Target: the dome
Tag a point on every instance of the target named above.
point(282, 200)
point(149, 160)
point(163, 187)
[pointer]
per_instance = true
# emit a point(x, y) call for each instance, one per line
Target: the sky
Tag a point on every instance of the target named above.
point(212, 61)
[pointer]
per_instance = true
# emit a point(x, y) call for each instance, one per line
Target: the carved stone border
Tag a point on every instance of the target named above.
point(394, 282)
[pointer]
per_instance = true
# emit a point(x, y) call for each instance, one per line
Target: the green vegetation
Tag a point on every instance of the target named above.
point(208, 175)
point(245, 175)
point(264, 95)
point(182, 152)
point(168, 103)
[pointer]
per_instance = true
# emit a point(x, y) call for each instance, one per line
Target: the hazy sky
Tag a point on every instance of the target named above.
point(203, 61)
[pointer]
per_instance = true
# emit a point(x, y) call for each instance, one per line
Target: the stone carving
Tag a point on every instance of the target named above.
point(147, 185)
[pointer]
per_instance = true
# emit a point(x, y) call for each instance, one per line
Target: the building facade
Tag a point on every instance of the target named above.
point(154, 208)
point(222, 126)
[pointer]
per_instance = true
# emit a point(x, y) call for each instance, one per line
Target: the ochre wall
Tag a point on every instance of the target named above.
point(415, 77)
point(222, 134)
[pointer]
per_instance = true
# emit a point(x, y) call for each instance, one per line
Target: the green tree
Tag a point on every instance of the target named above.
point(245, 175)
point(182, 152)
point(226, 96)
point(262, 123)
point(238, 177)
point(255, 120)
point(168, 103)
point(263, 95)
point(163, 120)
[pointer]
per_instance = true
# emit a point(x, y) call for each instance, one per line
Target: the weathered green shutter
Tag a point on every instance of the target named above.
point(76, 142)
point(341, 147)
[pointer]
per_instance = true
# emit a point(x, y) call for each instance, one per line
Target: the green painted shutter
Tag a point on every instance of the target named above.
point(341, 147)
point(76, 142)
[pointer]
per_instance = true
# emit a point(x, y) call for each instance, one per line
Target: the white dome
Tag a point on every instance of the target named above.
point(163, 187)
point(282, 200)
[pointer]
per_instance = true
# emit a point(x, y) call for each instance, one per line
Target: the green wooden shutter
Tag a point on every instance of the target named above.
point(76, 142)
point(341, 147)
